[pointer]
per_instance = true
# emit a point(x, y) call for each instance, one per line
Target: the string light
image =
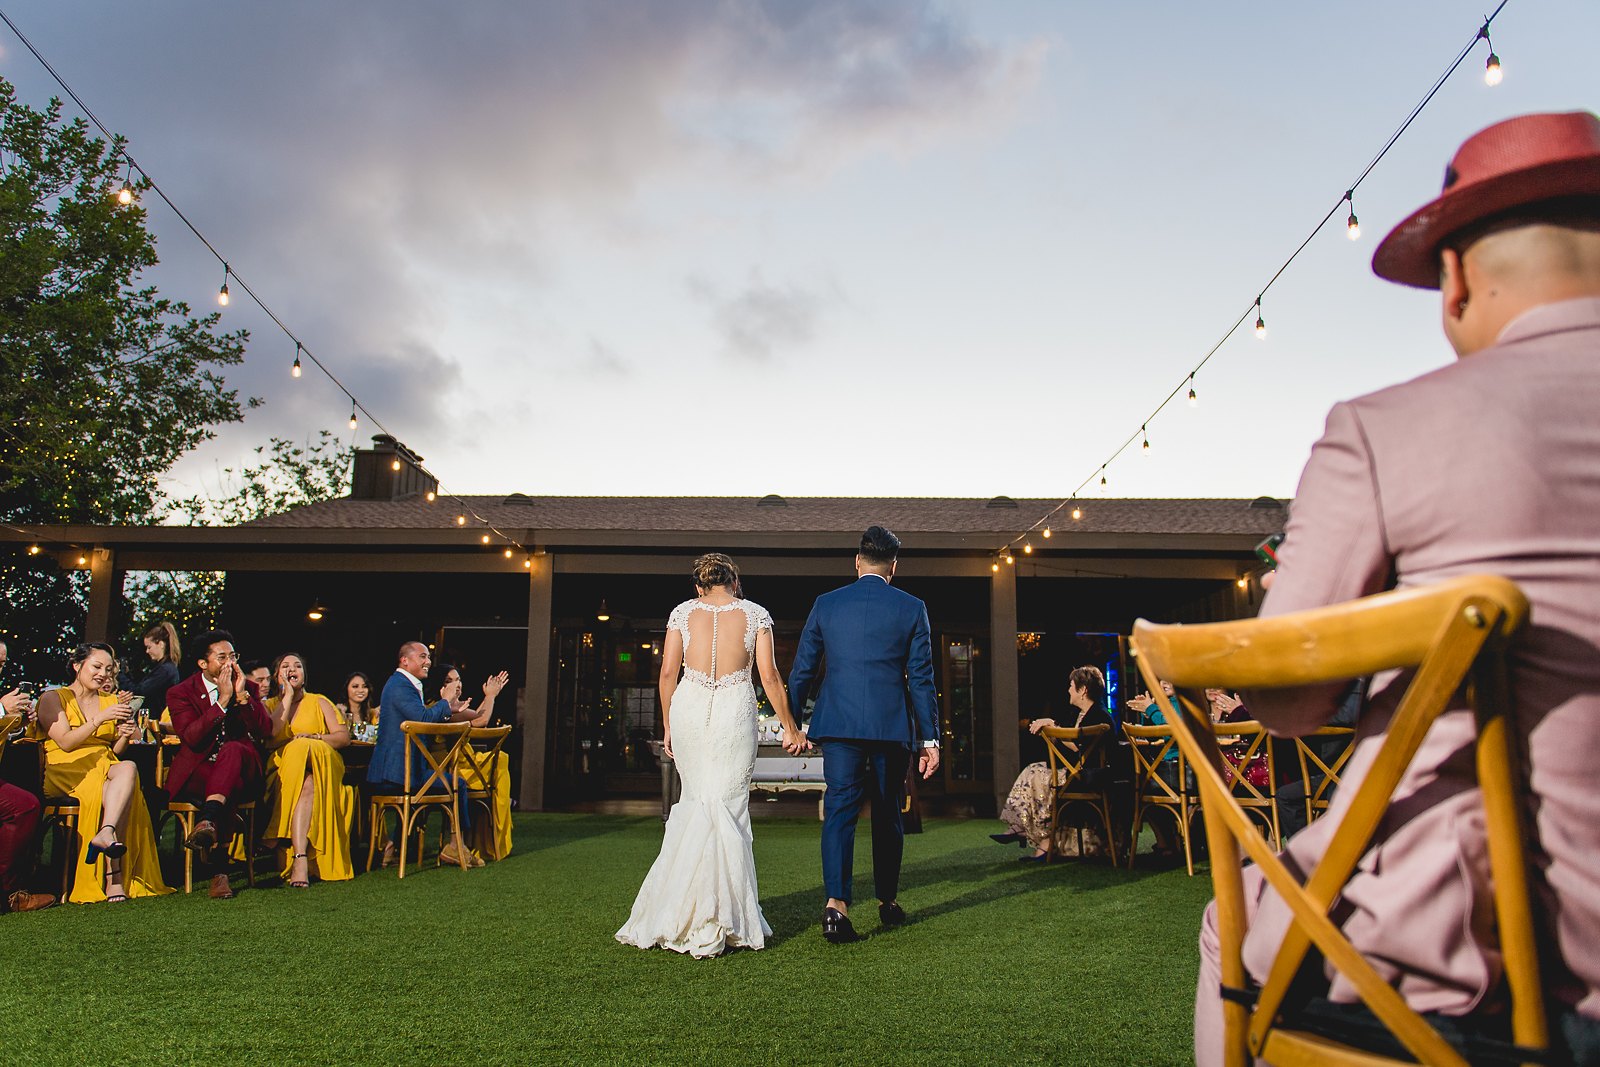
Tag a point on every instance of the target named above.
point(1352, 225)
point(294, 371)
point(508, 553)
point(432, 496)
point(33, 550)
point(1492, 74)
point(485, 538)
point(527, 563)
point(1077, 513)
point(1046, 533)
point(1145, 448)
point(317, 612)
point(461, 520)
point(1194, 397)
point(1104, 488)
point(222, 294)
point(394, 464)
point(1261, 323)
point(125, 194)
point(1027, 548)
point(1010, 559)
point(353, 421)
point(995, 566)
point(1243, 582)
point(83, 561)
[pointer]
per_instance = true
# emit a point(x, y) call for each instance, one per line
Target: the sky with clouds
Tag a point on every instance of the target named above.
point(735, 247)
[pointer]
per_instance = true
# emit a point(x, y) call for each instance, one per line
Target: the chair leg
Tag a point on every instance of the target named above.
point(248, 817)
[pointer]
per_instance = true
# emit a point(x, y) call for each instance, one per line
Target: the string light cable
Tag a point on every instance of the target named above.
point(1352, 228)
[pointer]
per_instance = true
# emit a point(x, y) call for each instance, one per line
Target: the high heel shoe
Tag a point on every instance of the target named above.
point(300, 883)
point(114, 851)
point(114, 874)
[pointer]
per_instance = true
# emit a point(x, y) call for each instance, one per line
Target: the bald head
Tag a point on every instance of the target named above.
point(1491, 276)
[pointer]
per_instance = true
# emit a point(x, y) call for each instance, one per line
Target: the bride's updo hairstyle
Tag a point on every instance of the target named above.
point(715, 568)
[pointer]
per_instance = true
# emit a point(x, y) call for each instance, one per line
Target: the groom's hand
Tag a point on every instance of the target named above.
point(928, 762)
point(795, 742)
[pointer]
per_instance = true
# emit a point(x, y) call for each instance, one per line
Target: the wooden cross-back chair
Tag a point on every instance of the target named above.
point(440, 746)
point(1070, 778)
point(1320, 774)
point(1250, 740)
point(479, 772)
point(1151, 746)
point(185, 814)
point(1451, 633)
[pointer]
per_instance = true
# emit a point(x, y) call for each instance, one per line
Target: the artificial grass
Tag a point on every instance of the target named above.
point(514, 963)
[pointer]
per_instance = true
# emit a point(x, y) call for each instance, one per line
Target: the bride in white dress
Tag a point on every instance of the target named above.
point(700, 896)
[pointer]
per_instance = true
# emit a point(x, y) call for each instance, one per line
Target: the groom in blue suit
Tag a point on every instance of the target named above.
point(876, 704)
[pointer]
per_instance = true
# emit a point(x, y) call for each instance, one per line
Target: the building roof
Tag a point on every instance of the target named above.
point(1000, 516)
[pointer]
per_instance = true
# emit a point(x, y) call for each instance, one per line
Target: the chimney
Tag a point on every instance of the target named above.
point(389, 471)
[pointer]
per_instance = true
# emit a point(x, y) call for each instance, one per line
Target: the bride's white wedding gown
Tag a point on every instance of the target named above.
point(700, 895)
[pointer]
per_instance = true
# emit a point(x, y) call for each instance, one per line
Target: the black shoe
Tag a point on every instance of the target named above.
point(836, 928)
point(1043, 857)
point(891, 914)
point(1008, 839)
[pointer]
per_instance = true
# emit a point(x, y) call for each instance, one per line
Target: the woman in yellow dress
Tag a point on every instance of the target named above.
point(85, 733)
point(485, 841)
point(311, 805)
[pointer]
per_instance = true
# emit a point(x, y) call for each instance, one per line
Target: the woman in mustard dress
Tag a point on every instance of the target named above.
point(311, 805)
point(85, 733)
point(485, 840)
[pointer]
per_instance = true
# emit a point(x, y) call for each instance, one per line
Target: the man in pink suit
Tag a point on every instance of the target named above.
point(1490, 464)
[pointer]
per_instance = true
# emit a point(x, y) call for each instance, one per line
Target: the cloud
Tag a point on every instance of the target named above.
point(761, 321)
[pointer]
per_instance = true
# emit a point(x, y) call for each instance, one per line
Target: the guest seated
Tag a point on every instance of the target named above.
point(357, 707)
point(402, 703)
point(486, 842)
point(161, 645)
point(219, 717)
point(85, 734)
point(311, 805)
point(19, 817)
point(1227, 707)
point(259, 672)
point(1150, 714)
point(1029, 812)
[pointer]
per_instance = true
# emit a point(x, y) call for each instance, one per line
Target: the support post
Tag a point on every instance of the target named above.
point(102, 591)
point(535, 707)
point(1003, 681)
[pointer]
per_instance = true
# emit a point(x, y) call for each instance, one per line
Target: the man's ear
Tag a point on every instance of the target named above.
point(1453, 294)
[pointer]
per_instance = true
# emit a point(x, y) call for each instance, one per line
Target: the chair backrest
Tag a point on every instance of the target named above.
point(481, 754)
point(1449, 633)
point(1067, 765)
point(1150, 746)
point(438, 780)
point(1321, 765)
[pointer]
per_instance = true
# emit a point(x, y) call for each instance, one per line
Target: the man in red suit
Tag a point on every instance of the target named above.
point(216, 713)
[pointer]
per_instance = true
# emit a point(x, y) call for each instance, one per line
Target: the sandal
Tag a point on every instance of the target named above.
point(300, 883)
point(115, 875)
point(114, 851)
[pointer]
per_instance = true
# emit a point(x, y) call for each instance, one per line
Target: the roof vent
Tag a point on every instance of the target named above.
point(1002, 502)
point(518, 500)
point(1267, 503)
point(772, 500)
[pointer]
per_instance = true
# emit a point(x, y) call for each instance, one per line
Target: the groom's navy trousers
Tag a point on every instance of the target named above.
point(858, 771)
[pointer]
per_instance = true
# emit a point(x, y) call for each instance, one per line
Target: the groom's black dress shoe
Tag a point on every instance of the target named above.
point(836, 928)
point(891, 914)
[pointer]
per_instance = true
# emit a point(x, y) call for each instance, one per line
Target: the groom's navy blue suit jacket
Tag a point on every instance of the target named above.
point(876, 644)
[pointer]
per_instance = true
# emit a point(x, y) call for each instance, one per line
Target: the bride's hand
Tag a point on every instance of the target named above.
point(795, 742)
point(666, 745)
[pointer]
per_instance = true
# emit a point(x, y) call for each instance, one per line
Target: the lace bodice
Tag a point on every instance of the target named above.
point(755, 618)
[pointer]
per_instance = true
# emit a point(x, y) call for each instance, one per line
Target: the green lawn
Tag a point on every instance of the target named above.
point(514, 963)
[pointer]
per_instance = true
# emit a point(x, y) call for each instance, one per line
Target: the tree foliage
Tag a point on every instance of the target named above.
point(107, 382)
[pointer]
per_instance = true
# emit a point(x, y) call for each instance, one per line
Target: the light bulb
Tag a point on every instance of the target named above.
point(1047, 533)
point(1194, 397)
point(1491, 71)
point(461, 520)
point(995, 566)
point(353, 422)
point(1027, 548)
point(83, 561)
point(1145, 448)
point(1353, 227)
point(1244, 580)
point(485, 538)
point(432, 496)
point(1261, 326)
point(125, 194)
point(1077, 513)
point(508, 553)
point(1010, 559)
point(294, 371)
point(33, 550)
point(1103, 486)
point(527, 564)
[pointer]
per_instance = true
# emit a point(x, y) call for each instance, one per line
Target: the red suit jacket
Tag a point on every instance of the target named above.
point(200, 725)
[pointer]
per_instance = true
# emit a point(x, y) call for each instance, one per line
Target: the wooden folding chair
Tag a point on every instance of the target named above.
point(1150, 746)
point(1248, 740)
point(184, 814)
point(438, 788)
point(1070, 779)
point(479, 772)
point(1450, 633)
point(1318, 773)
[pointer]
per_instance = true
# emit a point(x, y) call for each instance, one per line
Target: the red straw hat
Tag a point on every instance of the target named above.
point(1512, 163)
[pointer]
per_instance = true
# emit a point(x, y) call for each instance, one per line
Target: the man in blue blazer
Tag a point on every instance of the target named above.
point(876, 703)
point(402, 702)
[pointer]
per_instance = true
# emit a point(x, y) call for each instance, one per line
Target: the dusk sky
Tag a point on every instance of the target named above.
point(832, 248)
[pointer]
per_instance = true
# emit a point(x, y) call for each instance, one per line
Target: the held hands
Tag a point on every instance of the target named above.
point(928, 762)
point(795, 741)
point(493, 684)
